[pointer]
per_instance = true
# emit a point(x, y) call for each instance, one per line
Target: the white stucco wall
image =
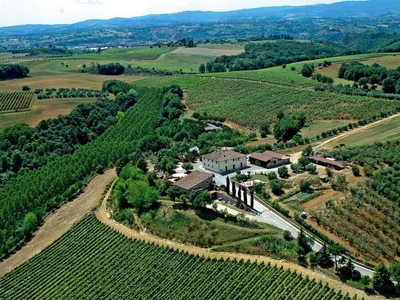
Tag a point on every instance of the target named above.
point(229, 165)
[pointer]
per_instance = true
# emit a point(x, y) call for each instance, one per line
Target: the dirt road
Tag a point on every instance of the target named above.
point(56, 224)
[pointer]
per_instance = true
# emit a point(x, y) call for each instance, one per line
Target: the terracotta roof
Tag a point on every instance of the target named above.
point(267, 155)
point(260, 156)
point(326, 161)
point(193, 179)
point(223, 155)
point(275, 154)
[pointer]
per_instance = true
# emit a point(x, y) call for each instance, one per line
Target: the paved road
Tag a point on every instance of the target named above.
point(268, 216)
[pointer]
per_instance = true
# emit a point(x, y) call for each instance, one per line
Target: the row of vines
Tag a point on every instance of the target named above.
point(15, 101)
point(369, 216)
point(92, 261)
point(366, 220)
point(250, 103)
point(44, 189)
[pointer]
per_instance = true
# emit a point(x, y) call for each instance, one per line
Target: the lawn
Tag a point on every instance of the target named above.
point(263, 178)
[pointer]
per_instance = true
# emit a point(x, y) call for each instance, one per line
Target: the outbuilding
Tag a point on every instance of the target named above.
point(331, 163)
point(269, 159)
point(196, 180)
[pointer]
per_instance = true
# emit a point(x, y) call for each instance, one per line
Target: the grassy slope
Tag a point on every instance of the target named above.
point(386, 130)
point(201, 227)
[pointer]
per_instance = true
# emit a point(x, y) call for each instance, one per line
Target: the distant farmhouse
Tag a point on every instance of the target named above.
point(196, 180)
point(331, 163)
point(223, 161)
point(269, 159)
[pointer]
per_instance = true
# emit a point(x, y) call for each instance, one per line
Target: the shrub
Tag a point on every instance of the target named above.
point(26, 88)
point(276, 187)
point(287, 235)
point(355, 170)
point(368, 170)
point(272, 176)
point(283, 172)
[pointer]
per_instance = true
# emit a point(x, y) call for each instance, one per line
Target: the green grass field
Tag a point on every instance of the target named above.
point(315, 128)
point(92, 261)
point(386, 130)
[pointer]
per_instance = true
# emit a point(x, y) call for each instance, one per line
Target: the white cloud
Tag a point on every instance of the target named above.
point(17, 12)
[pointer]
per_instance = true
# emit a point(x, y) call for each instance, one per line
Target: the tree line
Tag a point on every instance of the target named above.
point(13, 71)
point(368, 77)
point(265, 55)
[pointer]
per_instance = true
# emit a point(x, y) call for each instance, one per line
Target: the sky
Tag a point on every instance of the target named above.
point(20, 12)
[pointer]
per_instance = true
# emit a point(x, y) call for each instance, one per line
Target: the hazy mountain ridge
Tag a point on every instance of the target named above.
point(347, 9)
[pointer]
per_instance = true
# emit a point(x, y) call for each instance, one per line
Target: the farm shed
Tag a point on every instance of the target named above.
point(196, 180)
point(326, 162)
point(269, 159)
point(223, 161)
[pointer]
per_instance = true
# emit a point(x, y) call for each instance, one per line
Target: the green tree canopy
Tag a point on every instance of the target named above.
point(395, 271)
point(30, 222)
point(286, 128)
point(202, 199)
point(381, 279)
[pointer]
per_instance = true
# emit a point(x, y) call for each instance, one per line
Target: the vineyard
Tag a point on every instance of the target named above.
point(15, 101)
point(250, 103)
point(92, 261)
point(368, 221)
point(44, 189)
point(275, 75)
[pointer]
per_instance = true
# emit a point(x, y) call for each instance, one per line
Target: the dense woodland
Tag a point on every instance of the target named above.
point(373, 75)
point(13, 71)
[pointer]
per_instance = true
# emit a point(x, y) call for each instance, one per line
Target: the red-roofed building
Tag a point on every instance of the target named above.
point(269, 159)
point(326, 162)
point(196, 180)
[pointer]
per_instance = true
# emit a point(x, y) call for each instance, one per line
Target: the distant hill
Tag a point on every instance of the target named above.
point(346, 9)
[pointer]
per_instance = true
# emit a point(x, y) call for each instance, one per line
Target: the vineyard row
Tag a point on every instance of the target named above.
point(93, 261)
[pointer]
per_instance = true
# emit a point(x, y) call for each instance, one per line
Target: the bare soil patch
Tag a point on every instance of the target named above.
point(237, 126)
point(56, 224)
